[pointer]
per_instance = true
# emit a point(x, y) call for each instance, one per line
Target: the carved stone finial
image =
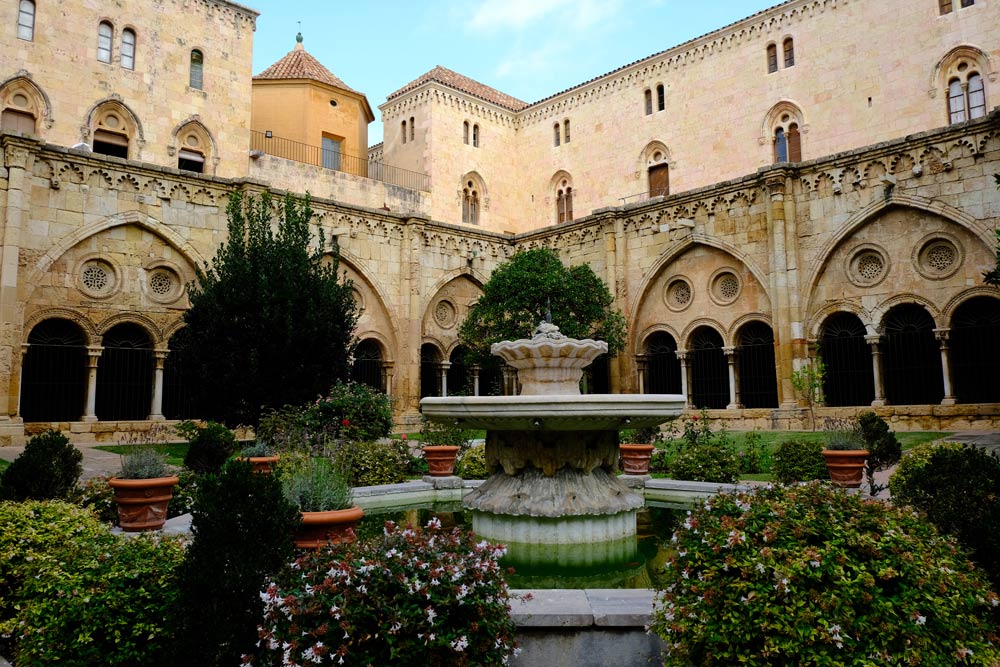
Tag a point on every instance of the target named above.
point(547, 330)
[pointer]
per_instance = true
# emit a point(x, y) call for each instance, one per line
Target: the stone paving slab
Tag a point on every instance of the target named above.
point(553, 608)
point(621, 607)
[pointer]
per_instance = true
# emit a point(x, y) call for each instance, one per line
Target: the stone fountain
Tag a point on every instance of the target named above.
point(554, 497)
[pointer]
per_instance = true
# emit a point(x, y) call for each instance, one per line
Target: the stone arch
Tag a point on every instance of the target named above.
point(814, 324)
point(142, 321)
point(949, 309)
point(89, 328)
point(881, 310)
point(641, 339)
point(37, 101)
point(53, 373)
point(876, 208)
point(99, 111)
point(171, 329)
point(192, 135)
point(653, 158)
point(64, 245)
point(702, 322)
point(709, 385)
point(753, 339)
point(773, 118)
point(125, 373)
point(746, 319)
point(475, 276)
point(473, 198)
point(941, 73)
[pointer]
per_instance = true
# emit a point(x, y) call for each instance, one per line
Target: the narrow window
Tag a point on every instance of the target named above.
point(661, 98)
point(564, 203)
point(104, 32)
point(659, 180)
point(196, 77)
point(649, 101)
point(470, 204)
point(772, 58)
point(474, 208)
point(789, 52)
point(404, 131)
point(569, 204)
point(555, 134)
point(475, 136)
point(956, 101)
point(566, 131)
point(17, 121)
point(465, 132)
point(977, 97)
point(191, 161)
point(560, 207)
point(128, 48)
point(412, 128)
point(780, 146)
point(111, 143)
point(331, 153)
point(968, 3)
point(26, 20)
point(465, 205)
point(794, 144)
point(944, 6)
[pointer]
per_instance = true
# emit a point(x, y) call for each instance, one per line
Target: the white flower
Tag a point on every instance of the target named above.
point(921, 620)
point(460, 644)
point(431, 614)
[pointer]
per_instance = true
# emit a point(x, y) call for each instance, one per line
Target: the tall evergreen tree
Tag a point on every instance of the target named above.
point(520, 293)
point(271, 322)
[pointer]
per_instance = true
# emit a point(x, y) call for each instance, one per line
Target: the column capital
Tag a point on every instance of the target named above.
point(95, 351)
point(682, 355)
point(444, 365)
point(729, 351)
point(942, 334)
point(873, 339)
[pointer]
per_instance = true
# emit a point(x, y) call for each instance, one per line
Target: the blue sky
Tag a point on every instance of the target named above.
point(526, 48)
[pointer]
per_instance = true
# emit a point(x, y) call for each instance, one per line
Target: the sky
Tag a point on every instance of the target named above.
point(530, 49)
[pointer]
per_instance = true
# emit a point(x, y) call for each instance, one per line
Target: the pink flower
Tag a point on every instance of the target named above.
point(402, 436)
point(345, 422)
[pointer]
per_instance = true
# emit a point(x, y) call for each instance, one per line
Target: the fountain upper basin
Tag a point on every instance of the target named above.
point(588, 412)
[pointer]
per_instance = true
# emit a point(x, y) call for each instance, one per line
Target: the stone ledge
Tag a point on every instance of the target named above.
point(576, 608)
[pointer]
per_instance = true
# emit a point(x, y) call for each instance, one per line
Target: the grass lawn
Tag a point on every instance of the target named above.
point(175, 451)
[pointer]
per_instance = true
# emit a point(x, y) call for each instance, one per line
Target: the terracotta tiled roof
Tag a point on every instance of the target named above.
point(298, 64)
point(455, 80)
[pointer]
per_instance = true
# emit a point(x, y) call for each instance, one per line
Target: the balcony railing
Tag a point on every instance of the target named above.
point(337, 161)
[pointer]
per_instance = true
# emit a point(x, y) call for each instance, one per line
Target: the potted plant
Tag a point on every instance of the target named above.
point(321, 489)
point(636, 449)
point(143, 489)
point(845, 456)
point(442, 443)
point(261, 456)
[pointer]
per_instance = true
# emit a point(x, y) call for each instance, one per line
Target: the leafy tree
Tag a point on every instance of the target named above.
point(519, 293)
point(271, 323)
point(992, 277)
point(808, 381)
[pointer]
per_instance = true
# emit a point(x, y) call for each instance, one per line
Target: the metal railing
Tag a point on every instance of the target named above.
point(337, 161)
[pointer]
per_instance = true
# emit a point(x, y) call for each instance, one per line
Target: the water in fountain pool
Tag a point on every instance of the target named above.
point(633, 562)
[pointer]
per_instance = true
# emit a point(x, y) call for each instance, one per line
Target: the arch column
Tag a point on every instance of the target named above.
point(475, 379)
point(682, 356)
point(874, 341)
point(734, 387)
point(14, 216)
point(642, 368)
point(942, 336)
point(156, 407)
point(90, 404)
point(443, 376)
point(388, 371)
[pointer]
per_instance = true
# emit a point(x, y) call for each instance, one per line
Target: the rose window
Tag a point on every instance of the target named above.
point(870, 267)
point(941, 256)
point(160, 283)
point(729, 287)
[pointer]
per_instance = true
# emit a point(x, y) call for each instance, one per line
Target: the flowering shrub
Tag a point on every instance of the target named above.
point(413, 597)
point(706, 462)
point(810, 575)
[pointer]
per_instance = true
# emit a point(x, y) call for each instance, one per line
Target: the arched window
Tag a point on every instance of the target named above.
point(977, 96)
point(470, 204)
point(661, 98)
point(794, 143)
point(956, 102)
point(465, 132)
point(787, 140)
point(911, 357)
point(403, 126)
point(195, 146)
point(26, 20)
point(663, 368)
point(475, 136)
point(460, 380)
point(566, 131)
point(772, 58)
point(780, 145)
point(709, 370)
point(555, 134)
point(758, 376)
point(659, 175)
point(104, 35)
point(196, 76)
point(430, 368)
point(125, 374)
point(789, 48)
point(849, 378)
point(367, 367)
point(564, 202)
point(128, 48)
point(178, 397)
point(649, 101)
point(113, 130)
point(960, 74)
point(975, 356)
point(413, 129)
point(54, 375)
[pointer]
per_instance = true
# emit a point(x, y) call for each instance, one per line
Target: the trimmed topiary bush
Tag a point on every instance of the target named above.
point(959, 489)
point(408, 597)
point(811, 575)
point(209, 447)
point(47, 469)
point(242, 528)
point(706, 462)
point(374, 463)
point(883, 447)
point(472, 463)
point(798, 461)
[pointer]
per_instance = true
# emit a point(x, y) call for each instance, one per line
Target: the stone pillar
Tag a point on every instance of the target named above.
point(156, 410)
point(685, 377)
point(443, 374)
point(475, 380)
point(734, 387)
point(411, 320)
point(90, 411)
point(642, 368)
point(14, 215)
point(388, 369)
point(790, 349)
point(949, 393)
point(877, 370)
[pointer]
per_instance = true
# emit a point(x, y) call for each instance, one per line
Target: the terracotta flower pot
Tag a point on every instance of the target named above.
point(441, 459)
point(635, 458)
point(332, 527)
point(261, 464)
point(846, 466)
point(142, 503)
